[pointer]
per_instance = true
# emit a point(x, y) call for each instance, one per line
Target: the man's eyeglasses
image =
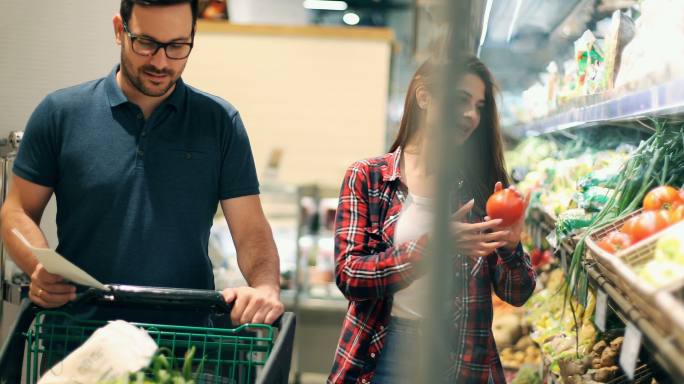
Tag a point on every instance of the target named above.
point(145, 46)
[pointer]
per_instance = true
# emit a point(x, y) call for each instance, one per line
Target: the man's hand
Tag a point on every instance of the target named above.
point(48, 290)
point(254, 305)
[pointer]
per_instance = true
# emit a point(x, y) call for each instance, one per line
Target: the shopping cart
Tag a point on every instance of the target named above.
point(256, 353)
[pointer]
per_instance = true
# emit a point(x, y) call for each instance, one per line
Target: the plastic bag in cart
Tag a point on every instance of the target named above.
point(112, 352)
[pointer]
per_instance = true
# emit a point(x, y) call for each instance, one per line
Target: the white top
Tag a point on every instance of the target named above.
point(415, 220)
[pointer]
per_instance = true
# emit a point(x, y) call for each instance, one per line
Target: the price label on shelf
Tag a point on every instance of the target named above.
point(629, 353)
point(601, 311)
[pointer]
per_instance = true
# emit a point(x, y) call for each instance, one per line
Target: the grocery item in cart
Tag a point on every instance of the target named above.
point(112, 352)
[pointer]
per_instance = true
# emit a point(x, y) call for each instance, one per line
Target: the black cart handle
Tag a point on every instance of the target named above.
point(132, 295)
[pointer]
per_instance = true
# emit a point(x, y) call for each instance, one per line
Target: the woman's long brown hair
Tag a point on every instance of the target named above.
point(482, 152)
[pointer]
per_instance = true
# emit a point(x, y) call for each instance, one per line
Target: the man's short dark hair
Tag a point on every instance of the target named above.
point(127, 7)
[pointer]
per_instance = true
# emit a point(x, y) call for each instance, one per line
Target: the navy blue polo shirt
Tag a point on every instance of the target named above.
point(135, 197)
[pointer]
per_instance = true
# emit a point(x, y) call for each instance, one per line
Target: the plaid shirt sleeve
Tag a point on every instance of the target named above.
point(513, 276)
point(366, 266)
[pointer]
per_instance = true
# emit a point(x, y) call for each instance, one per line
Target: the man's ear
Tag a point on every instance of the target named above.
point(117, 22)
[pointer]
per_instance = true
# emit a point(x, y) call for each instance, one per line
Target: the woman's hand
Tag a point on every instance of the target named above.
point(514, 230)
point(473, 239)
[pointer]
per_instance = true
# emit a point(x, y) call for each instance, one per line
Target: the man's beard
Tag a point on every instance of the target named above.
point(136, 78)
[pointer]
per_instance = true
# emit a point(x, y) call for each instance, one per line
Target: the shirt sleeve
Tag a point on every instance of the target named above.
point(37, 160)
point(238, 173)
point(513, 277)
point(364, 271)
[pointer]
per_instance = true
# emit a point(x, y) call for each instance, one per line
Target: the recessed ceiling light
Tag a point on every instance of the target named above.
point(351, 18)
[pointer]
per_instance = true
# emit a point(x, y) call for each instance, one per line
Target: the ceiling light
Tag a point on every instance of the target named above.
point(325, 5)
point(511, 27)
point(351, 18)
point(485, 25)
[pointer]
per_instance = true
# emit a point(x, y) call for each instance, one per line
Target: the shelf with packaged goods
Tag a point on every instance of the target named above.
point(612, 106)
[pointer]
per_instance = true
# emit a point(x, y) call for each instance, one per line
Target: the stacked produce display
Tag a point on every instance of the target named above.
point(613, 194)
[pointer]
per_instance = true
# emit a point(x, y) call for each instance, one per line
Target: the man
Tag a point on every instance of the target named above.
point(138, 162)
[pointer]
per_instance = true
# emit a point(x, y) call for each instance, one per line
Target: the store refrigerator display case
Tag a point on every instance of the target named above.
point(14, 285)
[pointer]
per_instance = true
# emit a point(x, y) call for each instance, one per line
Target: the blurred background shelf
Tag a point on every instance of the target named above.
point(611, 106)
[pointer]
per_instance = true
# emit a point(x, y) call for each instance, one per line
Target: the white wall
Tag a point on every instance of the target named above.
point(47, 45)
point(317, 93)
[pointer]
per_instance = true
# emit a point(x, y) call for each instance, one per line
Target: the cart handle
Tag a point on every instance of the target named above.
point(133, 295)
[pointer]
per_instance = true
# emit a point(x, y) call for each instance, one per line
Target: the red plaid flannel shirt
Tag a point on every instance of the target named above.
point(370, 269)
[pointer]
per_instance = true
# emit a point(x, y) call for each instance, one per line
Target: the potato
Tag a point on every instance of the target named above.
point(617, 343)
point(574, 379)
point(609, 357)
point(599, 347)
point(524, 342)
point(519, 356)
point(572, 367)
point(606, 373)
point(506, 329)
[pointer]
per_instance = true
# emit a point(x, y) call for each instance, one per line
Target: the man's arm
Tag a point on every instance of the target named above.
point(23, 209)
point(258, 261)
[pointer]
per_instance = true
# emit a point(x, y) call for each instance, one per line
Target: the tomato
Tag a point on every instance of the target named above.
point(628, 226)
point(506, 205)
point(536, 256)
point(615, 241)
point(677, 213)
point(661, 197)
point(646, 224)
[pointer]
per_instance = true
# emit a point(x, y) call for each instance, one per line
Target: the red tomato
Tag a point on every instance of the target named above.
point(677, 213)
point(646, 224)
point(506, 205)
point(661, 197)
point(536, 256)
point(615, 241)
point(628, 226)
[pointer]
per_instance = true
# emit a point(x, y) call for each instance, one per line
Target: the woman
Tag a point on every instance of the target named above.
point(381, 231)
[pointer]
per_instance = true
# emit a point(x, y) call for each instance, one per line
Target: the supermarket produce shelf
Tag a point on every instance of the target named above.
point(661, 347)
point(611, 106)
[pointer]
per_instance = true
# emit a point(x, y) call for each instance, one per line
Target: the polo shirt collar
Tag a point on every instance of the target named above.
point(117, 97)
point(114, 93)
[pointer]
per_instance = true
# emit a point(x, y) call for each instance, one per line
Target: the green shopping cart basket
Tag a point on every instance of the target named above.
point(254, 353)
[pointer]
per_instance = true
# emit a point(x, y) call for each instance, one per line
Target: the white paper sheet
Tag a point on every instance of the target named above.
point(56, 264)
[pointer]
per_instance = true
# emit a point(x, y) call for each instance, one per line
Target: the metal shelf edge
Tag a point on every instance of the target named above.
point(611, 106)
